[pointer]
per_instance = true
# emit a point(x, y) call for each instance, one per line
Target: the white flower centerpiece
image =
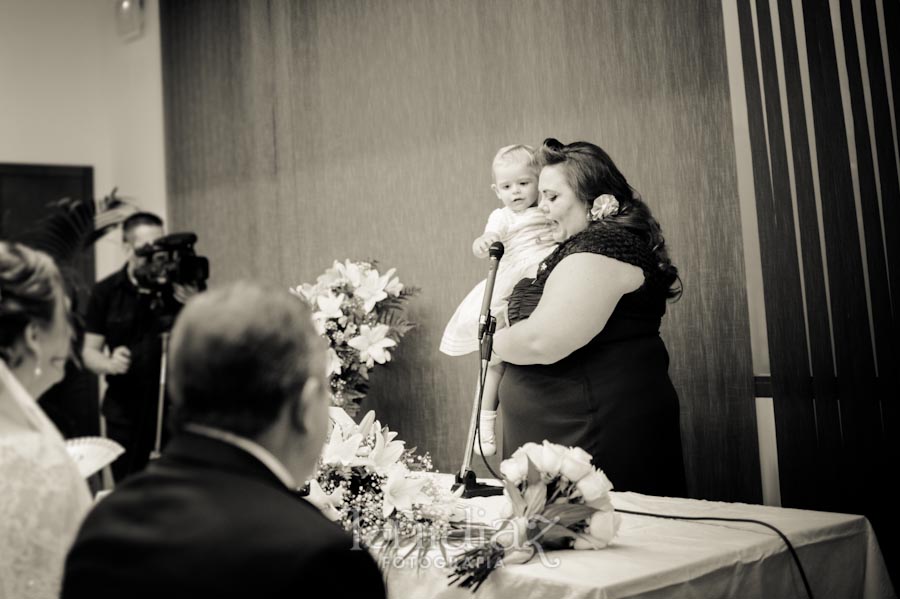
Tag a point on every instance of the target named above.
point(360, 313)
point(380, 491)
point(556, 499)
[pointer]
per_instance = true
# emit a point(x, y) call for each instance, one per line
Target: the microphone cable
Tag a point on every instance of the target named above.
point(482, 377)
point(784, 538)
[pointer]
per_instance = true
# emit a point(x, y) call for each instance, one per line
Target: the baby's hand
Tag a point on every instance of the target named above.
point(483, 244)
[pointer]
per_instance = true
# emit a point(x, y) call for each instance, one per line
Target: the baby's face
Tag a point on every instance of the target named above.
point(516, 186)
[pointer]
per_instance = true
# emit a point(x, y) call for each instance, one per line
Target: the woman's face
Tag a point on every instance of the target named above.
point(566, 213)
point(54, 342)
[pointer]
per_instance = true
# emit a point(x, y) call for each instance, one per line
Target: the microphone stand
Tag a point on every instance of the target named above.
point(487, 325)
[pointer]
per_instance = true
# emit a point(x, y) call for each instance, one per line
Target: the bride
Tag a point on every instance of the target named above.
point(43, 496)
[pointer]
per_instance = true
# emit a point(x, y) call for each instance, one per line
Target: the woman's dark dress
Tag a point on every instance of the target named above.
point(612, 397)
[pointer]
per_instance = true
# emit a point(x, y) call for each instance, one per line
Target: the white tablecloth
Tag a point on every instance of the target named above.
point(656, 558)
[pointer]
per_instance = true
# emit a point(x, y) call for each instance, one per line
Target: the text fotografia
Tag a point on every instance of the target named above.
point(424, 549)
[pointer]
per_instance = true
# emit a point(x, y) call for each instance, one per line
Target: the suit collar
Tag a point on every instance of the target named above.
point(206, 452)
point(252, 447)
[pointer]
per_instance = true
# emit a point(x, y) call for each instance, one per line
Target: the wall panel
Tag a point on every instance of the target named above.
point(301, 132)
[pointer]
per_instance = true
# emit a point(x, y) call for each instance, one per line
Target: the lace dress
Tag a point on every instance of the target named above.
point(613, 396)
point(42, 497)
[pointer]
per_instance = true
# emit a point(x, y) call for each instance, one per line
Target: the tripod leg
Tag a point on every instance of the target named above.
point(161, 398)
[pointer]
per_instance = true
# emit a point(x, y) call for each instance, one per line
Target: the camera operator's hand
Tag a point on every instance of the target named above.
point(120, 360)
point(182, 293)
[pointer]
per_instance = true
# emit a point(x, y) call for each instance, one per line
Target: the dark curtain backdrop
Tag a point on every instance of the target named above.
point(307, 131)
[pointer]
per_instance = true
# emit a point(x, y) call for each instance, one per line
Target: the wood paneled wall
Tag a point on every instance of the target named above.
point(301, 132)
point(828, 202)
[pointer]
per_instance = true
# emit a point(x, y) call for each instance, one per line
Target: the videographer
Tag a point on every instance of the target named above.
point(126, 318)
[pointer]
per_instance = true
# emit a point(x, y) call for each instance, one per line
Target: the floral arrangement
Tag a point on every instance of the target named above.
point(379, 490)
point(557, 500)
point(360, 312)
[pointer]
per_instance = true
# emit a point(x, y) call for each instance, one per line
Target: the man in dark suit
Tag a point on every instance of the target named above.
point(219, 515)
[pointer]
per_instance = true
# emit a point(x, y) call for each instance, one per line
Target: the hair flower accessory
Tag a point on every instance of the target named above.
point(605, 205)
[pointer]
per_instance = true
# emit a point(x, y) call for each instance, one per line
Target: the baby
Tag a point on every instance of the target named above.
point(524, 231)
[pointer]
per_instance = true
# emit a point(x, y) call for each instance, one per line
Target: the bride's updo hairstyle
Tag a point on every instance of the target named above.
point(590, 172)
point(30, 284)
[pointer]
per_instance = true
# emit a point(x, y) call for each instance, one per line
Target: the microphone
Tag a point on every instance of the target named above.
point(486, 323)
point(495, 252)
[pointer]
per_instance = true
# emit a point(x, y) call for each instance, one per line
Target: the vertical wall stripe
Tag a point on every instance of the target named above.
point(807, 237)
point(885, 139)
point(765, 420)
point(778, 46)
point(889, 50)
point(768, 450)
point(822, 143)
point(815, 271)
point(792, 12)
point(754, 13)
point(888, 181)
point(863, 49)
point(859, 153)
point(856, 388)
point(794, 417)
point(884, 345)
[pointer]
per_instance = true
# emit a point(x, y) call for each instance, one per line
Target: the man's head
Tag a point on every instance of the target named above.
point(245, 358)
point(138, 230)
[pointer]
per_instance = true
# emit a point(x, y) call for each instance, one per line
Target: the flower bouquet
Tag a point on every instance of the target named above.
point(557, 500)
point(360, 312)
point(378, 490)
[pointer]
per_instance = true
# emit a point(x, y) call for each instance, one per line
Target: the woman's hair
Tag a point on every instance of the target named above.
point(590, 172)
point(30, 286)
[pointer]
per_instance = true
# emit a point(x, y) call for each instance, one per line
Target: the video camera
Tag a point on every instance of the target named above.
point(171, 259)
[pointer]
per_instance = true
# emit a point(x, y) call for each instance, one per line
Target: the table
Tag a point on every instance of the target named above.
point(654, 558)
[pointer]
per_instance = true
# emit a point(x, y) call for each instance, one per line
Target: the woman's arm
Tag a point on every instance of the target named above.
point(579, 297)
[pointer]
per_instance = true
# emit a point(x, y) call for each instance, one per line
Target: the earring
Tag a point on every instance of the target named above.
point(37, 371)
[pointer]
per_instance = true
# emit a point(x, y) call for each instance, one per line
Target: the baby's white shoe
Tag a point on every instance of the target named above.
point(488, 445)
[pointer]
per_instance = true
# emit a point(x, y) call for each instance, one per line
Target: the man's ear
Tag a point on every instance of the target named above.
point(303, 415)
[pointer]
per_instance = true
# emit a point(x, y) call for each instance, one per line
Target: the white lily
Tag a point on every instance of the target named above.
point(334, 365)
point(365, 425)
point(307, 292)
point(333, 277)
point(330, 305)
point(371, 289)
point(349, 271)
point(372, 344)
point(390, 283)
point(400, 492)
point(385, 453)
point(339, 451)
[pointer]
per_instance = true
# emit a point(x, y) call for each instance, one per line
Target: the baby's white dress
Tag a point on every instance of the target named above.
point(526, 239)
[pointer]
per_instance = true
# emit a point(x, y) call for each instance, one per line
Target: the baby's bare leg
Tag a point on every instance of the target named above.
point(490, 399)
point(487, 443)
